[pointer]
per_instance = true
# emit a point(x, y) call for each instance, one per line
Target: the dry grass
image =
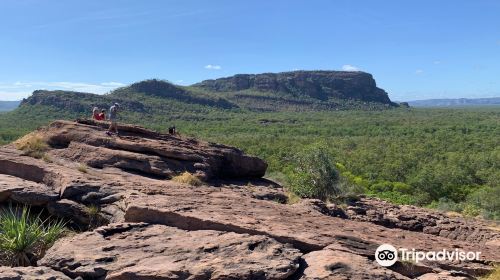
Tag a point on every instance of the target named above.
point(453, 214)
point(494, 226)
point(188, 178)
point(495, 275)
point(32, 145)
point(292, 198)
point(83, 168)
point(47, 158)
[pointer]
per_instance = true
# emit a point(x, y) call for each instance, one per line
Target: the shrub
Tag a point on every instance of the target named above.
point(188, 178)
point(394, 197)
point(315, 175)
point(25, 238)
point(471, 210)
point(32, 145)
point(486, 199)
point(446, 205)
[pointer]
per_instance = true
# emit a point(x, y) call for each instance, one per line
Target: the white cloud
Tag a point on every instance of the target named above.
point(213, 67)
point(19, 90)
point(419, 71)
point(113, 84)
point(436, 62)
point(348, 67)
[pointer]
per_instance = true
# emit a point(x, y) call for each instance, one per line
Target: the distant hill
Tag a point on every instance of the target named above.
point(139, 97)
point(458, 102)
point(316, 90)
point(8, 105)
point(159, 102)
point(287, 91)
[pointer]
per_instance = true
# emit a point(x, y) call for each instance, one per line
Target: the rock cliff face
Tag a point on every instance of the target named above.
point(232, 227)
point(320, 85)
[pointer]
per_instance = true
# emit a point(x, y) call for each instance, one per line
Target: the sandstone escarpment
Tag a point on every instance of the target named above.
point(320, 85)
point(232, 227)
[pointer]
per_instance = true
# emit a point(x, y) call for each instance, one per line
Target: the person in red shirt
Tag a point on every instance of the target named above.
point(101, 116)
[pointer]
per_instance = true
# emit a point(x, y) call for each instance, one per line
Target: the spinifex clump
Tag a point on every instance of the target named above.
point(24, 237)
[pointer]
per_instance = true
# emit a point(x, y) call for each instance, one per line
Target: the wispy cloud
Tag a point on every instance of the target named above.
point(96, 16)
point(20, 89)
point(498, 43)
point(348, 67)
point(213, 67)
point(437, 62)
point(118, 18)
point(419, 72)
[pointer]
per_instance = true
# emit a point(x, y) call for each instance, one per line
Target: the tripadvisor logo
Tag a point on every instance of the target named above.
point(387, 255)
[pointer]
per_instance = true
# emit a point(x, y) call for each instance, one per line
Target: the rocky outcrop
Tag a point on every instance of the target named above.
point(142, 251)
point(428, 221)
point(320, 85)
point(236, 226)
point(410, 218)
point(207, 209)
point(147, 152)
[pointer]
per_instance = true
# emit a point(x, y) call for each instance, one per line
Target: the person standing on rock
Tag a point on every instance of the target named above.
point(113, 115)
point(95, 113)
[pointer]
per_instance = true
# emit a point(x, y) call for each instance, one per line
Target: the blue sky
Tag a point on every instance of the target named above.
point(414, 49)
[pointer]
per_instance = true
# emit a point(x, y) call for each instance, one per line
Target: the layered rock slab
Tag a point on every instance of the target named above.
point(148, 152)
point(24, 191)
point(30, 273)
point(142, 251)
point(208, 208)
point(428, 221)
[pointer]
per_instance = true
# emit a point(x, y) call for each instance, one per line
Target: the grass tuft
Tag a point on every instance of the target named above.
point(94, 213)
point(32, 145)
point(24, 238)
point(292, 198)
point(495, 275)
point(188, 178)
point(83, 168)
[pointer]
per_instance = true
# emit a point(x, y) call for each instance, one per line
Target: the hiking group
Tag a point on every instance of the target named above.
point(112, 117)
